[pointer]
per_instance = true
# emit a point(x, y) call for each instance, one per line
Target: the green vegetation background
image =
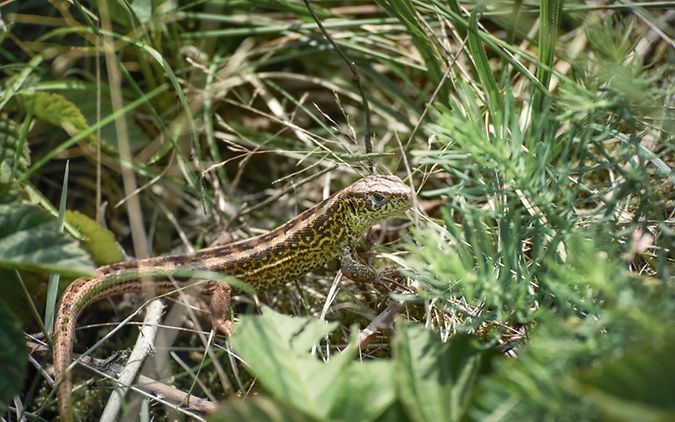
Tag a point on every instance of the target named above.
point(538, 137)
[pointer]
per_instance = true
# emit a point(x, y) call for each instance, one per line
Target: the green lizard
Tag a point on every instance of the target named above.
point(326, 231)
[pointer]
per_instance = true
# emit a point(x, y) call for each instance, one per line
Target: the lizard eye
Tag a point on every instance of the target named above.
point(378, 198)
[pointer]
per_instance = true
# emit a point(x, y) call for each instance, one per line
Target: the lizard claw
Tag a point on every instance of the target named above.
point(224, 326)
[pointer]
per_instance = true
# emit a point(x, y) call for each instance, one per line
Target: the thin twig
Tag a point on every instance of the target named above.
point(152, 389)
point(381, 322)
point(141, 350)
point(357, 78)
point(175, 395)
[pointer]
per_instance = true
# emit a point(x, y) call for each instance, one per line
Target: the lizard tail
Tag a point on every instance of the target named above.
point(64, 337)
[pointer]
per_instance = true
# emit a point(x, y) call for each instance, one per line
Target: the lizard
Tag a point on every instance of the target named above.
point(328, 230)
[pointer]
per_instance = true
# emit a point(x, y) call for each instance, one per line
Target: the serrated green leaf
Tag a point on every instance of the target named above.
point(260, 409)
point(296, 334)
point(98, 241)
point(13, 358)
point(12, 154)
point(55, 109)
point(30, 240)
point(365, 391)
point(435, 379)
point(275, 348)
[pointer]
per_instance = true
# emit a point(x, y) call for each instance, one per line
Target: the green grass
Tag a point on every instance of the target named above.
point(538, 137)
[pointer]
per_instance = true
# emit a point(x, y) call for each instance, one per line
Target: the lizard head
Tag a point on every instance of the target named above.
point(375, 198)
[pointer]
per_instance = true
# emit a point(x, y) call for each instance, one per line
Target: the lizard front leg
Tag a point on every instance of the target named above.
point(362, 273)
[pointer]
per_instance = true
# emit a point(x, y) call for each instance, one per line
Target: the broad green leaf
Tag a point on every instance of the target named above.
point(30, 240)
point(435, 379)
point(55, 109)
point(365, 391)
point(295, 334)
point(276, 348)
point(98, 241)
point(637, 386)
point(13, 358)
point(259, 409)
